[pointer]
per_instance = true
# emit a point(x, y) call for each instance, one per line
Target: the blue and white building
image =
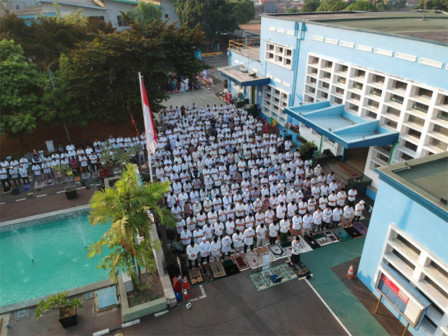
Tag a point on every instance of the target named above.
point(408, 233)
point(351, 80)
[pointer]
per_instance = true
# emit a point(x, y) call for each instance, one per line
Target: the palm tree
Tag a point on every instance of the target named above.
point(129, 238)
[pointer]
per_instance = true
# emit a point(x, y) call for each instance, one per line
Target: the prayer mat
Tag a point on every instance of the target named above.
point(353, 232)
point(85, 176)
point(26, 187)
point(49, 182)
point(253, 259)
point(322, 239)
point(277, 251)
point(262, 280)
point(38, 185)
point(195, 276)
point(230, 267)
point(264, 250)
point(218, 270)
point(330, 235)
point(311, 242)
point(304, 246)
point(207, 273)
point(301, 271)
point(342, 234)
point(241, 262)
point(360, 227)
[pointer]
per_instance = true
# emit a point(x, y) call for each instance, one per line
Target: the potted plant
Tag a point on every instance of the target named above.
point(68, 315)
point(70, 192)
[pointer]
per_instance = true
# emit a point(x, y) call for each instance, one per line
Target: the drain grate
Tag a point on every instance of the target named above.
point(22, 313)
point(88, 296)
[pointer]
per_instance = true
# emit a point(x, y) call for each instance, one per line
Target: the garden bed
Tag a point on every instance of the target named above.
point(153, 291)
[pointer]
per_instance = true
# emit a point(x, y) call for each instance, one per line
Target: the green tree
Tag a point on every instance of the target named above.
point(49, 37)
point(243, 10)
point(144, 14)
point(292, 10)
point(310, 6)
point(212, 16)
point(129, 238)
point(98, 80)
point(361, 5)
point(331, 6)
point(434, 4)
point(20, 90)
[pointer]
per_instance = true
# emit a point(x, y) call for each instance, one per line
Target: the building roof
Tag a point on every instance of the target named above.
point(424, 179)
point(410, 24)
point(343, 127)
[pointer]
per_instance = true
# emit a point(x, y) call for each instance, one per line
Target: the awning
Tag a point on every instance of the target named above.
point(348, 130)
point(241, 76)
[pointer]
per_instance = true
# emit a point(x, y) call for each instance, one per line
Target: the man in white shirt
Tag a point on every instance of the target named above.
point(327, 216)
point(185, 237)
point(249, 234)
point(296, 224)
point(261, 234)
point(273, 232)
point(317, 220)
point(307, 223)
point(337, 214)
point(226, 243)
point(204, 250)
point(215, 250)
point(359, 208)
point(192, 254)
point(285, 226)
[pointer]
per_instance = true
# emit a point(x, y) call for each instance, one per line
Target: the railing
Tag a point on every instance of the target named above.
point(246, 47)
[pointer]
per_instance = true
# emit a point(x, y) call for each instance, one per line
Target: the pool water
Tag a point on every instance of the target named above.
point(60, 259)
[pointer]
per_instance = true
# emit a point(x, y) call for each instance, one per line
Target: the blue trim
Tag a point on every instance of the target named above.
point(413, 195)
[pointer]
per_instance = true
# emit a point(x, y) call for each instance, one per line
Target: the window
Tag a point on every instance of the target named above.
point(424, 93)
point(378, 79)
point(398, 85)
point(410, 146)
point(376, 92)
point(167, 16)
point(120, 21)
point(442, 115)
point(420, 107)
point(280, 55)
point(441, 130)
point(396, 99)
point(274, 101)
point(371, 115)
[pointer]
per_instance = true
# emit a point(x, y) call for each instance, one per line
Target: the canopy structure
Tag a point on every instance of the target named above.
point(241, 76)
point(346, 129)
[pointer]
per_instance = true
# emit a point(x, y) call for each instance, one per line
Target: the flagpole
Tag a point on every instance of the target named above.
point(146, 135)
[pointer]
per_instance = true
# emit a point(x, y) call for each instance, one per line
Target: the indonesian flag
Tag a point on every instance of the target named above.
point(150, 130)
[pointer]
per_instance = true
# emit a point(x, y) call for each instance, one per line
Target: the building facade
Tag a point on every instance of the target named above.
point(408, 231)
point(398, 80)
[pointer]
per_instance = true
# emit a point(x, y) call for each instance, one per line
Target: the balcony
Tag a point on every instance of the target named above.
point(246, 47)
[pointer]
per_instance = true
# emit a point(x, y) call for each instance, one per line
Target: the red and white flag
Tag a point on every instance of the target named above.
point(150, 130)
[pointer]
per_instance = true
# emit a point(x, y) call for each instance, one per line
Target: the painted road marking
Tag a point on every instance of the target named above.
point(328, 307)
point(20, 199)
point(203, 296)
point(41, 195)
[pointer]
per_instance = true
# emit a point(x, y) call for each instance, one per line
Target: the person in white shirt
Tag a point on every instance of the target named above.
point(285, 226)
point(261, 234)
point(197, 235)
point(352, 193)
point(359, 208)
point(215, 250)
point(280, 211)
point(337, 214)
point(327, 217)
point(204, 250)
point(249, 234)
point(342, 196)
point(185, 237)
point(37, 172)
point(332, 199)
point(23, 171)
point(219, 229)
point(296, 224)
point(317, 220)
point(296, 249)
point(273, 232)
point(192, 254)
point(226, 243)
point(307, 223)
point(346, 216)
point(292, 208)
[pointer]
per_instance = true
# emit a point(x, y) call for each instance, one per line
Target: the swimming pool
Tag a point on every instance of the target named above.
point(48, 258)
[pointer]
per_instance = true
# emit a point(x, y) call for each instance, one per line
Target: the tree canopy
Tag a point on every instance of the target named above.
point(331, 6)
point(98, 80)
point(310, 6)
point(144, 13)
point(214, 16)
point(19, 90)
point(361, 5)
point(434, 4)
